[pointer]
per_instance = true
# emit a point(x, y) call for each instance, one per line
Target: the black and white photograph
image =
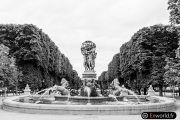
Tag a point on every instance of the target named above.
point(89, 59)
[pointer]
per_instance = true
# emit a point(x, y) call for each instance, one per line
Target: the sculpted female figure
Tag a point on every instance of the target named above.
point(85, 63)
point(88, 51)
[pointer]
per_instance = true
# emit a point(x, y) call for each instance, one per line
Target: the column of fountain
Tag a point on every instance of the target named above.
point(88, 51)
point(89, 75)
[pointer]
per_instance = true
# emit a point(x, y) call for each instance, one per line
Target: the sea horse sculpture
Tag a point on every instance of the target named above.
point(118, 90)
point(62, 89)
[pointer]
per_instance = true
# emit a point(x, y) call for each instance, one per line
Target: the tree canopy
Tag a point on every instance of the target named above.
point(173, 6)
point(142, 59)
point(36, 55)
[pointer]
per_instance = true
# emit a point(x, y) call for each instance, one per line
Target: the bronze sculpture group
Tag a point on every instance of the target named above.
point(115, 89)
point(88, 51)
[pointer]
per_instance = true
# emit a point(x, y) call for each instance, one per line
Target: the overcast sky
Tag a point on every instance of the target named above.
point(107, 23)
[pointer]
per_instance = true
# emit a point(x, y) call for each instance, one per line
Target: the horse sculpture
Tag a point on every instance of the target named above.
point(64, 83)
point(63, 88)
point(117, 90)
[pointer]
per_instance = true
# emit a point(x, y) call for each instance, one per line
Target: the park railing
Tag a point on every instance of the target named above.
point(10, 92)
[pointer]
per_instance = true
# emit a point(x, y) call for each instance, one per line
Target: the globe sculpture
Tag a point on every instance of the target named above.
point(88, 50)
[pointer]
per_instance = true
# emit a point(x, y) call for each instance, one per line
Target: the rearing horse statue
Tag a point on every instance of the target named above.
point(63, 88)
point(117, 90)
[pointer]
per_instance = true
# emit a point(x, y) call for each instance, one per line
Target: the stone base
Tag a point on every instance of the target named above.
point(84, 100)
point(11, 104)
point(89, 74)
point(27, 92)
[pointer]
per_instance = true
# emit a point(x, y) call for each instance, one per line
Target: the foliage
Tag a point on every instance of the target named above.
point(103, 78)
point(148, 49)
point(142, 59)
point(172, 74)
point(16, 74)
point(36, 55)
point(4, 65)
point(173, 6)
point(114, 68)
point(75, 81)
point(9, 72)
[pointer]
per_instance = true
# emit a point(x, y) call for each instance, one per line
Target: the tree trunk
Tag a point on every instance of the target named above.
point(173, 92)
point(145, 91)
point(139, 91)
point(179, 91)
point(160, 90)
point(164, 91)
point(107, 84)
point(16, 90)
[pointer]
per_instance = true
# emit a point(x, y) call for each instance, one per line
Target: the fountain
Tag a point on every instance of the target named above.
point(89, 99)
point(27, 90)
point(88, 90)
point(40, 101)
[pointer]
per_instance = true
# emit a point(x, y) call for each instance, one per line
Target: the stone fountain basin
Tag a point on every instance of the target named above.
point(81, 99)
point(10, 104)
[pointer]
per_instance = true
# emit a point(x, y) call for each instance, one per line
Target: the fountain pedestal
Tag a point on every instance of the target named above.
point(27, 90)
point(89, 80)
point(89, 74)
point(151, 92)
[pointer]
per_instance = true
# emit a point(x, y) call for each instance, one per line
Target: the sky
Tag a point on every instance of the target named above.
point(69, 23)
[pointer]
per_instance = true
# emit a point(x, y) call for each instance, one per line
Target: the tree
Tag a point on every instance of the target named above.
point(36, 55)
point(135, 62)
point(5, 73)
point(8, 70)
point(75, 81)
point(172, 74)
point(114, 68)
point(165, 45)
point(142, 59)
point(16, 75)
point(104, 80)
point(173, 6)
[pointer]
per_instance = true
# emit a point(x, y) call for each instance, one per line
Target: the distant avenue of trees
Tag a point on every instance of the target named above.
point(152, 56)
point(36, 57)
point(141, 61)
